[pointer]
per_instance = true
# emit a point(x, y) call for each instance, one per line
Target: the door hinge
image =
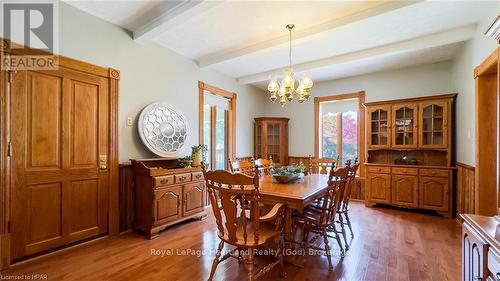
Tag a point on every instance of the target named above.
point(9, 149)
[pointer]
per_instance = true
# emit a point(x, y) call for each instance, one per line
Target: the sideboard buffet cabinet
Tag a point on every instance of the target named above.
point(166, 194)
point(480, 248)
point(409, 153)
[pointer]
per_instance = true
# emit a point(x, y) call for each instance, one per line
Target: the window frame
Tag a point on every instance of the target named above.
point(231, 119)
point(361, 123)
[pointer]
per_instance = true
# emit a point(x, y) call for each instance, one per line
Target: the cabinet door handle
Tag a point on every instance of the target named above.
point(182, 178)
point(479, 278)
point(198, 176)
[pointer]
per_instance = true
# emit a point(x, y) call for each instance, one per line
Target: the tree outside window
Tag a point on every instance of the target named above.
point(339, 135)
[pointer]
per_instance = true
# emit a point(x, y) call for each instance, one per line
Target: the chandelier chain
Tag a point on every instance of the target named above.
point(290, 49)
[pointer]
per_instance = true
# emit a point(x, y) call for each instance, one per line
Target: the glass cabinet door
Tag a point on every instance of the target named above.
point(273, 141)
point(378, 127)
point(404, 124)
point(433, 120)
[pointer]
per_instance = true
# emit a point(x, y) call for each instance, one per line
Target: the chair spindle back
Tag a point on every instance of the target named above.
point(229, 195)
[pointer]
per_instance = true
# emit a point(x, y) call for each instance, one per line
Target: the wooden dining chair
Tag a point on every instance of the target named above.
point(318, 220)
point(264, 165)
point(320, 165)
point(344, 206)
point(242, 166)
point(243, 228)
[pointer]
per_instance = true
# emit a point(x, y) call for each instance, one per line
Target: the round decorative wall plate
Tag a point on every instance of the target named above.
point(163, 129)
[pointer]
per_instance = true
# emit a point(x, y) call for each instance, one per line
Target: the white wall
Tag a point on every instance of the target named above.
point(387, 85)
point(151, 73)
point(471, 55)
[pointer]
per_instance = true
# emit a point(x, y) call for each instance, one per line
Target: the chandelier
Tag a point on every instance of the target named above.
point(285, 89)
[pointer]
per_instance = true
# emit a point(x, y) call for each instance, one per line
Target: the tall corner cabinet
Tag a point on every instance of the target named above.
point(409, 153)
point(271, 139)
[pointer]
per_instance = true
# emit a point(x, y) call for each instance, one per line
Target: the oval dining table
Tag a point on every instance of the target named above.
point(294, 195)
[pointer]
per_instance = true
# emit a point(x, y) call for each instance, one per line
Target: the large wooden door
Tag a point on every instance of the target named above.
point(60, 142)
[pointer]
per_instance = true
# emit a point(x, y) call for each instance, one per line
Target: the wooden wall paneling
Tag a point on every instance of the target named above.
point(358, 189)
point(297, 159)
point(245, 158)
point(465, 189)
point(127, 196)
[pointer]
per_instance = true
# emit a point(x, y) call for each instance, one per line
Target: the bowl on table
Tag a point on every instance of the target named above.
point(288, 178)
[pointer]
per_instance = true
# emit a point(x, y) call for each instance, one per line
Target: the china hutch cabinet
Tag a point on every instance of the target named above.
point(166, 194)
point(271, 139)
point(409, 153)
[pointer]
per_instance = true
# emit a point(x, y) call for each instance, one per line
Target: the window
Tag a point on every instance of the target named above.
point(338, 133)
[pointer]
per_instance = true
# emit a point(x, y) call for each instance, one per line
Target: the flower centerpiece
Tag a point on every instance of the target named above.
point(288, 173)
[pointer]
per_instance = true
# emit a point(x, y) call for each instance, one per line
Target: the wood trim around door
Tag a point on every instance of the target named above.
point(113, 167)
point(361, 123)
point(4, 169)
point(202, 87)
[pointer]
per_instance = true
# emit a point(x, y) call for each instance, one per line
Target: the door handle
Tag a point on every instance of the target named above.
point(103, 162)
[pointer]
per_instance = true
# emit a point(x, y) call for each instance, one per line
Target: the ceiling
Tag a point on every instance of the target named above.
point(332, 39)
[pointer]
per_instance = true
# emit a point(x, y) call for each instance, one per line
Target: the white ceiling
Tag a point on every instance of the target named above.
point(247, 39)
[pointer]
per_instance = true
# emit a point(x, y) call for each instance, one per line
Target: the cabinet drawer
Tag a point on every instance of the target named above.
point(405, 171)
point(164, 180)
point(197, 176)
point(376, 169)
point(494, 264)
point(435, 173)
point(181, 178)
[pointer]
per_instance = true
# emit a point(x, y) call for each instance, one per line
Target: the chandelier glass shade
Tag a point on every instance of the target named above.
point(285, 89)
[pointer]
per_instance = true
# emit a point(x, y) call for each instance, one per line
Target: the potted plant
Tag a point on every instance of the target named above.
point(197, 154)
point(186, 162)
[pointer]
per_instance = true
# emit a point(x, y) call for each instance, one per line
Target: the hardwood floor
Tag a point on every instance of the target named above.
point(389, 244)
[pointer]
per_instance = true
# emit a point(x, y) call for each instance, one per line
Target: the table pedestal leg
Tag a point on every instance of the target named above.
point(287, 228)
point(287, 237)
